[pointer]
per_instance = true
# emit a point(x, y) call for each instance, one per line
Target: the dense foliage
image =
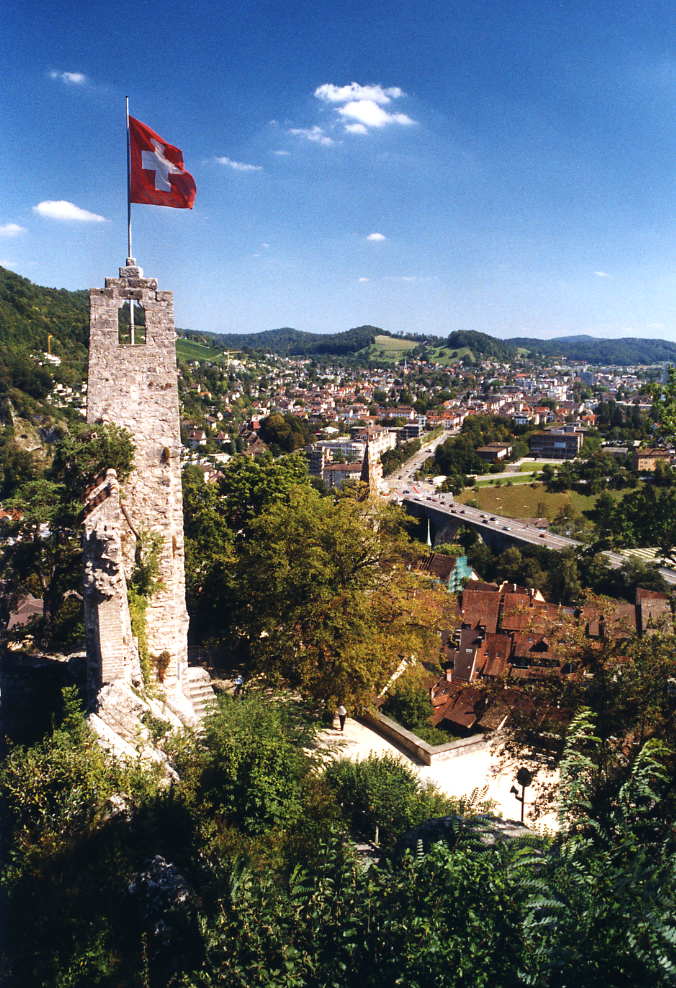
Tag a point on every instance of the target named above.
point(629, 350)
point(41, 550)
point(284, 432)
point(294, 342)
point(243, 872)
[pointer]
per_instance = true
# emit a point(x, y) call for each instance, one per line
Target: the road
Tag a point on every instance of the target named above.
point(403, 477)
point(427, 497)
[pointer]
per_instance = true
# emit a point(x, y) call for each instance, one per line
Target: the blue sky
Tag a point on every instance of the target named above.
point(516, 159)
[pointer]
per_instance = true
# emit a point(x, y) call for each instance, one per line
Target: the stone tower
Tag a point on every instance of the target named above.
point(371, 471)
point(133, 383)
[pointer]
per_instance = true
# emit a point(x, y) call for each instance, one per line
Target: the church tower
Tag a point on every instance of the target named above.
point(371, 471)
point(133, 383)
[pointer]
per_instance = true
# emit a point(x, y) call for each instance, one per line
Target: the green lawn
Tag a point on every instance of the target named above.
point(522, 500)
point(442, 354)
point(524, 478)
point(389, 348)
point(189, 350)
point(532, 467)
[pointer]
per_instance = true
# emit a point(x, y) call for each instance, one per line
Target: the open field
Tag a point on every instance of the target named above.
point(531, 467)
point(442, 355)
point(522, 500)
point(388, 348)
point(189, 350)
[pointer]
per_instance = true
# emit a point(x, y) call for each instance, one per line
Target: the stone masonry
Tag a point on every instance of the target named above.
point(112, 652)
point(134, 384)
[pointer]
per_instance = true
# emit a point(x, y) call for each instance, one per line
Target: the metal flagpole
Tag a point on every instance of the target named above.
point(129, 254)
point(130, 259)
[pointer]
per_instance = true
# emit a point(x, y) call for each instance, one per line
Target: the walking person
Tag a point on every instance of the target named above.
point(342, 714)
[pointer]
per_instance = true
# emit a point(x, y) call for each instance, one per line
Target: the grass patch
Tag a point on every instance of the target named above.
point(444, 355)
point(389, 348)
point(189, 350)
point(522, 500)
point(533, 467)
point(525, 478)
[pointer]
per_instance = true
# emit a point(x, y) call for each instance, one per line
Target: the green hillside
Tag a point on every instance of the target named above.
point(629, 350)
point(188, 349)
point(28, 315)
point(391, 348)
point(290, 342)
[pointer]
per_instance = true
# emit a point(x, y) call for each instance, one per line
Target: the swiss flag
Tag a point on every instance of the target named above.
point(157, 175)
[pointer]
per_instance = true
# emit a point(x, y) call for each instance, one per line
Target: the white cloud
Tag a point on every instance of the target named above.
point(61, 209)
point(602, 274)
point(70, 78)
point(377, 237)
point(265, 244)
point(363, 281)
point(314, 134)
point(361, 107)
point(329, 93)
point(370, 114)
point(238, 166)
point(282, 154)
point(6, 264)
point(11, 230)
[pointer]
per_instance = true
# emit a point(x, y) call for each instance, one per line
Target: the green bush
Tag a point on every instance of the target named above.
point(257, 754)
point(386, 794)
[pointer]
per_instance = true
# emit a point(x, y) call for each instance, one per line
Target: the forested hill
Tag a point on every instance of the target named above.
point(293, 342)
point(28, 313)
point(481, 344)
point(629, 350)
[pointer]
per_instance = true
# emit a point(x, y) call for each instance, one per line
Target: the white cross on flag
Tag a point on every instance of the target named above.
point(157, 175)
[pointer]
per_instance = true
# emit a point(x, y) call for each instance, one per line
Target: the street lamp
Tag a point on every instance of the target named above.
point(524, 778)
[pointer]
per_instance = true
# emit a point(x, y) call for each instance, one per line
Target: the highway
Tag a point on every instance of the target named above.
point(425, 496)
point(403, 477)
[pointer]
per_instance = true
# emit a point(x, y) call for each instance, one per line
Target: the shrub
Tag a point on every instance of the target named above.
point(383, 796)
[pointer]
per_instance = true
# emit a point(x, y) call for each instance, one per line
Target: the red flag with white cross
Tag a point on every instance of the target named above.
point(157, 175)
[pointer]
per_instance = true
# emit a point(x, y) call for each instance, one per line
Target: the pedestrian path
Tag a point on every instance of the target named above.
point(483, 771)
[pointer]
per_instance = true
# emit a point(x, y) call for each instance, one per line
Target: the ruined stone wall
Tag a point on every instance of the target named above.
point(135, 386)
point(111, 649)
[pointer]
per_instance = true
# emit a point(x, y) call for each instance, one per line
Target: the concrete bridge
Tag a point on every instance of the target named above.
point(446, 516)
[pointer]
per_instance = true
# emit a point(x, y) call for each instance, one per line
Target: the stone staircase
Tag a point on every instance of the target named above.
point(200, 691)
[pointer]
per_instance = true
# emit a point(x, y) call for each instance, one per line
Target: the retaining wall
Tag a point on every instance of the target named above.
point(424, 752)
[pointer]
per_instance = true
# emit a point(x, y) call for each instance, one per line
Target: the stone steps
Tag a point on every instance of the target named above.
point(200, 691)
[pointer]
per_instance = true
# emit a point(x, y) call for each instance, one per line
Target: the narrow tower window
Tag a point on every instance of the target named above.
point(131, 323)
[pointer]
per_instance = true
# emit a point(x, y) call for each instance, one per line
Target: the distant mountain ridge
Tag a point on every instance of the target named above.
point(290, 342)
point(29, 313)
point(293, 342)
point(626, 350)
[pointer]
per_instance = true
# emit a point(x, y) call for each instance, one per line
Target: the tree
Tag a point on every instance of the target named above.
point(209, 558)
point(250, 484)
point(598, 909)
point(84, 455)
point(664, 405)
point(41, 553)
point(327, 604)
point(284, 432)
point(383, 796)
point(257, 754)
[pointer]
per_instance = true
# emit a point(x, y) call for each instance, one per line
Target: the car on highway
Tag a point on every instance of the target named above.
point(507, 528)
